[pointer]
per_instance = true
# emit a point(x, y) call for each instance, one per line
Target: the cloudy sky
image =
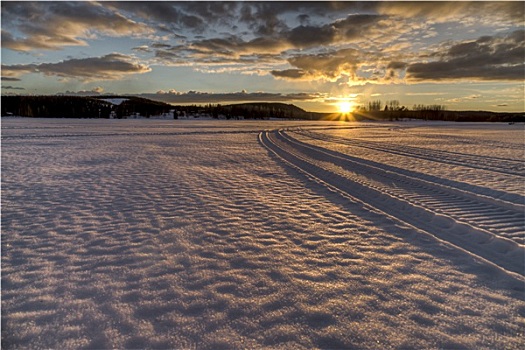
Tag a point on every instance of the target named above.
point(464, 55)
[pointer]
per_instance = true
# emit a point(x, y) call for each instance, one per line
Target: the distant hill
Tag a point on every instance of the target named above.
point(264, 110)
point(132, 105)
point(118, 106)
point(269, 106)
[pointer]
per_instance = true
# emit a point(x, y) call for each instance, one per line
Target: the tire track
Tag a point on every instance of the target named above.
point(471, 223)
point(494, 164)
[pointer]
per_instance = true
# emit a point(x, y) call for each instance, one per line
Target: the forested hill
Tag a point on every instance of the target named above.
point(264, 110)
point(81, 106)
point(124, 106)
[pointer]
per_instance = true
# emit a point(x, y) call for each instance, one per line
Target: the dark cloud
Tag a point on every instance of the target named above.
point(229, 50)
point(112, 66)
point(328, 66)
point(269, 18)
point(38, 41)
point(289, 73)
point(467, 48)
point(307, 36)
point(457, 70)
point(217, 12)
point(264, 45)
point(108, 67)
point(276, 43)
point(9, 87)
point(173, 16)
point(53, 25)
point(163, 15)
point(272, 35)
point(327, 9)
point(304, 19)
point(352, 28)
point(488, 58)
point(161, 46)
point(167, 56)
point(263, 18)
point(396, 65)
point(14, 71)
point(357, 26)
point(217, 46)
point(392, 73)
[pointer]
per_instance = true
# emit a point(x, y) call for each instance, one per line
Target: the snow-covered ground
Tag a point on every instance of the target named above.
point(115, 101)
point(188, 234)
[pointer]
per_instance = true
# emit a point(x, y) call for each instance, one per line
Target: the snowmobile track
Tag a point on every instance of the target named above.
point(485, 227)
point(494, 164)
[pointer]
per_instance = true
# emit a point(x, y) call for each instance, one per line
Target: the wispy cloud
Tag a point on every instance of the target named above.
point(463, 98)
point(173, 96)
point(94, 91)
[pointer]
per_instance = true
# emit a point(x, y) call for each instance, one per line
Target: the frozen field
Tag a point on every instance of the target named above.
point(246, 235)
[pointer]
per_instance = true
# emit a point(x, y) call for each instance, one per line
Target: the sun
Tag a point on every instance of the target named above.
point(345, 107)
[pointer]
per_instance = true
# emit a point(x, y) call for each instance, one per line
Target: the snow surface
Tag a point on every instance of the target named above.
point(187, 234)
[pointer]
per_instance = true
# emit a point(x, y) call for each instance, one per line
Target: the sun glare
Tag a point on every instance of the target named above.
point(345, 107)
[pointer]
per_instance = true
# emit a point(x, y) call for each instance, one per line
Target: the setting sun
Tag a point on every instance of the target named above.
point(345, 107)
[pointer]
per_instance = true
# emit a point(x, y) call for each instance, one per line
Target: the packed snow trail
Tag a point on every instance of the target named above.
point(496, 164)
point(470, 222)
point(477, 206)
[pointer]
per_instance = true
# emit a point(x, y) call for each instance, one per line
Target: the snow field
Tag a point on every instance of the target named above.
point(157, 234)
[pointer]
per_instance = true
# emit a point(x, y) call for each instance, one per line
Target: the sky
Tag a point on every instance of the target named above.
point(461, 55)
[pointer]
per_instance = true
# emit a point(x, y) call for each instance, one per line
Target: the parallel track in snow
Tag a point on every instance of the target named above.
point(486, 227)
point(494, 164)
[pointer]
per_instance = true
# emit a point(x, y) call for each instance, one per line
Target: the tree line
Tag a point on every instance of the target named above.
point(394, 105)
point(80, 107)
point(101, 107)
point(393, 110)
